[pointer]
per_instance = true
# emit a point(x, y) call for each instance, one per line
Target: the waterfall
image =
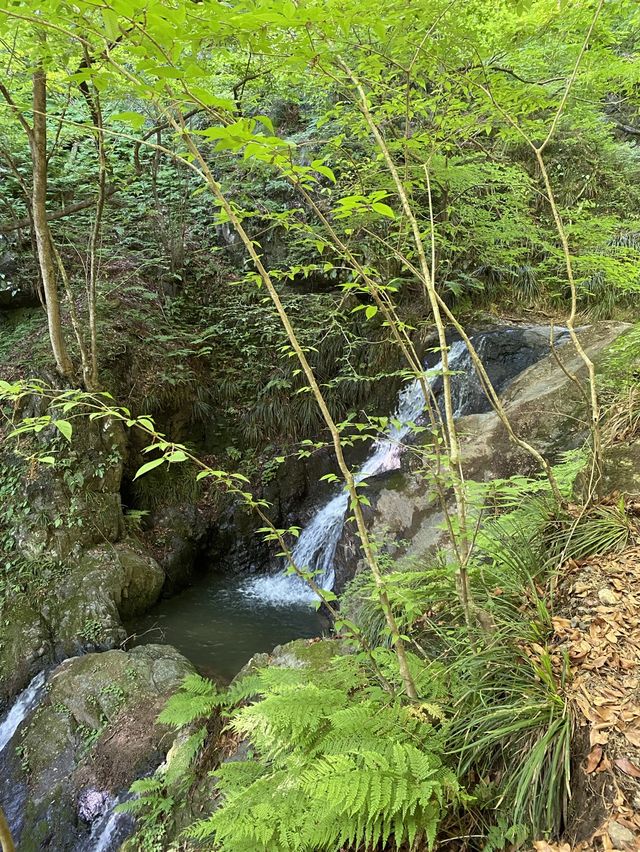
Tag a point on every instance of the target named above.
point(316, 547)
point(13, 793)
point(110, 830)
point(24, 704)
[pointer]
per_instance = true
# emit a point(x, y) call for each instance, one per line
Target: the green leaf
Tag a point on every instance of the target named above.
point(264, 119)
point(320, 167)
point(383, 209)
point(177, 456)
point(371, 311)
point(147, 466)
point(133, 119)
point(64, 427)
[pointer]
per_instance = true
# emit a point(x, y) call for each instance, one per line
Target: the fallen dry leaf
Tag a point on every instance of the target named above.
point(598, 662)
point(633, 736)
point(599, 735)
point(625, 765)
point(594, 758)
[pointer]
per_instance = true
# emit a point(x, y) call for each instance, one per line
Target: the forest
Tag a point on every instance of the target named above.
point(319, 425)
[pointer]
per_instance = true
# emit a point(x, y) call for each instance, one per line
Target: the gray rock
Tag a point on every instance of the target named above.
point(621, 837)
point(99, 589)
point(543, 405)
point(179, 531)
point(621, 470)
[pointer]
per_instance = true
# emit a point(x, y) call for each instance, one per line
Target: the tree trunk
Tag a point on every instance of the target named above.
point(38, 145)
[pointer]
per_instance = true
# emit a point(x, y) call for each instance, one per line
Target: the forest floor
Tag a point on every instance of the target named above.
point(596, 648)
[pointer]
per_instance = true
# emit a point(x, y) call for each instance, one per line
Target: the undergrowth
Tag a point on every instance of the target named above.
point(336, 761)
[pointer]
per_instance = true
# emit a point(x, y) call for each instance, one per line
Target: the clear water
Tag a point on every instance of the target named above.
point(221, 622)
point(219, 626)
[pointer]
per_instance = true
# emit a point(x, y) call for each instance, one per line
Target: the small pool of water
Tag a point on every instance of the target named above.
point(219, 624)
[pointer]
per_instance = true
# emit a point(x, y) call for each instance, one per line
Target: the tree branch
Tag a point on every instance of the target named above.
point(58, 214)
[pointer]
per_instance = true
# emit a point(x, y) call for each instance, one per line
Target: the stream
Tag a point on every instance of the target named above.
point(221, 621)
point(219, 624)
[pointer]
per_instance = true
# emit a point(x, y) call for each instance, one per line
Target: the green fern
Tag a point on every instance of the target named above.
point(196, 699)
point(152, 805)
point(332, 768)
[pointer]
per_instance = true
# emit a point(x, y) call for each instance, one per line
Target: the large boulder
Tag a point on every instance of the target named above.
point(544, 405)
point(83, 610)
point(73, 578)
point(93, 733)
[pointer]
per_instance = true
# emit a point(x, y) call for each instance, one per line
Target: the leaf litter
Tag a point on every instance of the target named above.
point(596, 633)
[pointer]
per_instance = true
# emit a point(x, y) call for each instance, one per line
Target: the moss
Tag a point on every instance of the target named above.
point(23, 644)
point(313, 653)
point(54, 817)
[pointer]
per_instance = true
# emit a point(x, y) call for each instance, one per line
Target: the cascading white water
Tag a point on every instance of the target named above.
point(109, 831)
point(13, 794)
point(24, 704)
point(315, 549)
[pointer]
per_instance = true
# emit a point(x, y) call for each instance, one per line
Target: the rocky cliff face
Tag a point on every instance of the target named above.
point(543, 403)
point(75, 573)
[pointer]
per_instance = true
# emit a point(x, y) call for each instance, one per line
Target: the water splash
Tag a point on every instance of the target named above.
point(315, 549)
point(110, 829)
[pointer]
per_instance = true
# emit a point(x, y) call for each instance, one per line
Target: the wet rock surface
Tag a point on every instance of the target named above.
point(93, 733)
point(542, 403)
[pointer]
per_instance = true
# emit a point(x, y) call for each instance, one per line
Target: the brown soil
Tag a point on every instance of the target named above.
point(130, 746)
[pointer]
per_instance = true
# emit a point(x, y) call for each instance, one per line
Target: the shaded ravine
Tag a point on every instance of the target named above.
point(221, 621)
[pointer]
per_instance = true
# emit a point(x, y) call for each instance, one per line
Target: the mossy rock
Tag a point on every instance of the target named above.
point(24, 646)
point(95, 729)
point(85, 611)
